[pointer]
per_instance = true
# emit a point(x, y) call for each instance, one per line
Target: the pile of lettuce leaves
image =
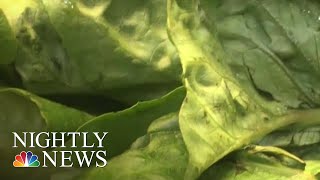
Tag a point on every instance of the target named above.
point(187, 89)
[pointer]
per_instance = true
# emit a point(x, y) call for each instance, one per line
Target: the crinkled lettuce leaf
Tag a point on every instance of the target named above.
point(162, 154)
point(251, 71)
point(222, 113)
point(275, 49)
point(93, 47)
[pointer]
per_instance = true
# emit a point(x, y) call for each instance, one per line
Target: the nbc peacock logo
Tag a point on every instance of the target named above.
point(26, 160)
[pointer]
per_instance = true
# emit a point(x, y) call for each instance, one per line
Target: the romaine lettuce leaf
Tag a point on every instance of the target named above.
point(221, 113)
point(275, 50)
point(250, 71)
point(78, 46)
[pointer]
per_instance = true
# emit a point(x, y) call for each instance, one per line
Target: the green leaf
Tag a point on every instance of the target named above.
point(152, 156)
point(110, 53)
point(261, 37)
point(313, 167)
point(293, 136)
point(21, 111)
point(161, 154)
point(126, 126)
point(18, 107)
point(8, 45)
point(243, 166)
point(311, 155)
point(220, 113)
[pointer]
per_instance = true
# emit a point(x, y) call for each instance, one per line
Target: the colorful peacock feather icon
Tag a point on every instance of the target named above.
point(26, 160)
